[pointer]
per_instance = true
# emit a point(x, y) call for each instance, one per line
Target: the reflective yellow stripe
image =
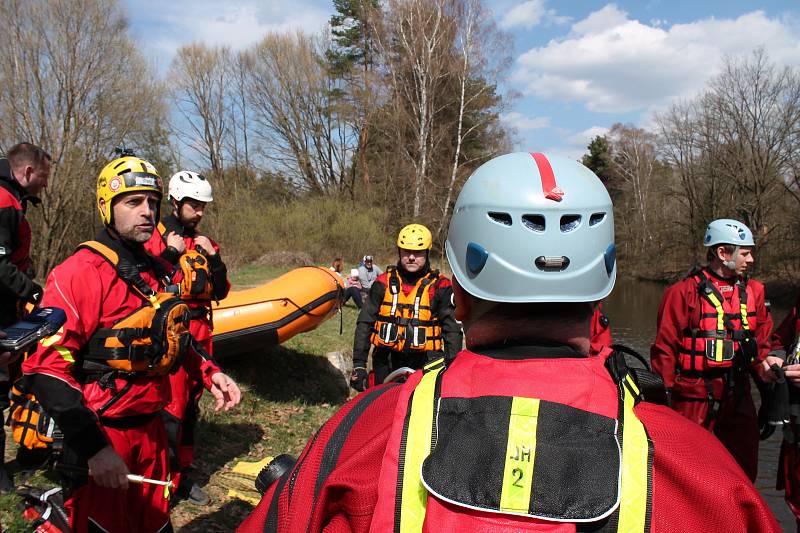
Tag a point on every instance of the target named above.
point(718, 354)
point(418, 446)
point(434, 363)
point(743, 312)
point(64, 353)
point(635, 452)
point(520, 456)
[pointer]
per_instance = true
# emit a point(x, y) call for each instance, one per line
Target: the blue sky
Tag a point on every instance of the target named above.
point(579, 66)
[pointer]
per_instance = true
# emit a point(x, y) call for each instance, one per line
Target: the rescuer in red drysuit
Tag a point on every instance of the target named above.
point(110, 418)
point(521, 431)
point(785, 344)
point(713, 332)
point(189, 193)
point(24, 173)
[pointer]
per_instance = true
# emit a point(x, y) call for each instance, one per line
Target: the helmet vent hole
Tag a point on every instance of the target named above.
point(570, 223)
point(552, 263)
point(500, 218)
point(596, 218)
point(534, 222)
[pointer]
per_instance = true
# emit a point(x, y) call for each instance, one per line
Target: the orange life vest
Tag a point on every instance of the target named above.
point(195, 282)
point(716, 341)
point(405, 322)
point(31, 426)
point(152, 339)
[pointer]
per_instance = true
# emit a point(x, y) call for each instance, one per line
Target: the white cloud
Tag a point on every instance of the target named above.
point(583, 138)
point(522, 122)
point(611, 63)
point(530, 14)
point(166, 26)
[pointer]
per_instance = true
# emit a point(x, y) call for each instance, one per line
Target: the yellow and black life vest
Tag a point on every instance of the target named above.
point(716, 341)
point(405, 322)
point(149, 341)
point(479, 453)
point(195, 283)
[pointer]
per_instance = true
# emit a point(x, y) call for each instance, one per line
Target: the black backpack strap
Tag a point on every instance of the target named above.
point(626, 361)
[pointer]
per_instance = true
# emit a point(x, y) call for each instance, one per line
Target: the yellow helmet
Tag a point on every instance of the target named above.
point(415, 237)
point(124, 175)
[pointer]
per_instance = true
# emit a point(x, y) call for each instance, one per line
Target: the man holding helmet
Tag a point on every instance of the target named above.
point(713, 331)
point(408, 314)
point(103, 377)
point(178, 242)
point(526, 429)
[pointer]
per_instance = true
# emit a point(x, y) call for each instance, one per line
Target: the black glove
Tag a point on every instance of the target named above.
point(359, 378)
point(774, 411)
point(36, 294)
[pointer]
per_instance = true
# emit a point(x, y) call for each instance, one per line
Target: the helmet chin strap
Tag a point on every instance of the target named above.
point(731, 265)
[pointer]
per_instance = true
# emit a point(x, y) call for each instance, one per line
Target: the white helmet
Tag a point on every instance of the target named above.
point(533, 228)
point(187, 184)
point(728, 231)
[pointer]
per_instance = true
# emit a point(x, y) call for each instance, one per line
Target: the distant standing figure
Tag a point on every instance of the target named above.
point(367, 274)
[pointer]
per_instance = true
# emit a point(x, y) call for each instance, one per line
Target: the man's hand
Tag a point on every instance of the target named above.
point(108, 469)
point(201, 241)
point(792, 373)
point(225, 391)
point(359, 379)
point(176, 241)
point(6, 358)
point(765, 372)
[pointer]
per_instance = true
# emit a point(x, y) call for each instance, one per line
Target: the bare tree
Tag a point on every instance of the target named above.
point(290, 99)
point(72, 82)
point(481, 52)
point(199, 81)
point(418, 52)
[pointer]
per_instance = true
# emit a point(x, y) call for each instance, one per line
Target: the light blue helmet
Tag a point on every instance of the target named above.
point(728, 231)
point(533, 228)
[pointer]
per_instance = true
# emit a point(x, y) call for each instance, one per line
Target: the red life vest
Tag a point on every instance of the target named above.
point(715, 342)
point(512, 457)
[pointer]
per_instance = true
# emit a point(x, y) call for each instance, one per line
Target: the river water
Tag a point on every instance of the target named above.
point(632, 310)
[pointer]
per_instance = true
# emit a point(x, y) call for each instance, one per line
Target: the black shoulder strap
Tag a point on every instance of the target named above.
point(624, 360)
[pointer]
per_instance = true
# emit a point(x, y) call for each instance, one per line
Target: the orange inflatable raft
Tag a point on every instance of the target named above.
point(272, 313)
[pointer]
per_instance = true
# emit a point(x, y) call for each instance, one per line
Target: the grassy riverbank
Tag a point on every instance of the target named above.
point(289, 391)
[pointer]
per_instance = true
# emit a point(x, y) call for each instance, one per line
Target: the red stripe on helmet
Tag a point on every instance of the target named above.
point(549, 186)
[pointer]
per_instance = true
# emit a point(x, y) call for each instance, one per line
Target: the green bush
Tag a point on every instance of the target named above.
point(323, 227)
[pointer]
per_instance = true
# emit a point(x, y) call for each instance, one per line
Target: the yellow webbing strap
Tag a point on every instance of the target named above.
point(743, 312)
point(103, 250)
point(718, 354)
point(520, 455)
point(162, 229)
point(418, 445)
point(635, 465)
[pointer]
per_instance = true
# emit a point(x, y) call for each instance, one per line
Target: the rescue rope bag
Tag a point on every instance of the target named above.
point(405, 322)
point(31, 426)
point(152, 339)
point(525, 457)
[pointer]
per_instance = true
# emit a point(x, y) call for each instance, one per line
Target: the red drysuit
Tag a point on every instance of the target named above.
point(681, 308)
point(188, 381)
point(342, 478)
point(93, 413)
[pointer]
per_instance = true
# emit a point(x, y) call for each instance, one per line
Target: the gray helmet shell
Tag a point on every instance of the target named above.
point(511, 241)
point(728, 231)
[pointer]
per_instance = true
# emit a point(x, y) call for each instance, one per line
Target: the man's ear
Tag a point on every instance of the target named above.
point(102, 204)
point(462, 300)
